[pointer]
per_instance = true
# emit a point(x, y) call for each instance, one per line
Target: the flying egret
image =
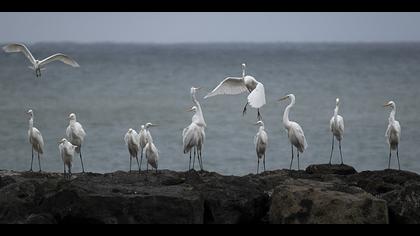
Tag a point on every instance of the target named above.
point(393, 132)
point(38, 65)
point(66, 152)
point(238, 85)
point(261, 141)
point(294, 131)
point(150, 150)
point(192, 138)
point(142, 142)
point(132, 140)
point(76, 134)
point(337, 129)
point(35, 139)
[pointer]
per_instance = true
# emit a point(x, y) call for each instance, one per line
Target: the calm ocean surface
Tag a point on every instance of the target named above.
point(121, 86)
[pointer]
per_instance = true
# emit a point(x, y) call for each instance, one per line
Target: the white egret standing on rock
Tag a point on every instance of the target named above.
point(393, 132)
point(76, 134)
point(238, 85)
point(294, 131)
point(38, 65)
point(261, 141)
point(132, 140)
point(150, 150)
point(337, 129)
point(194, 135)
point(35, 139)
point(142, 141)
point(66, 152)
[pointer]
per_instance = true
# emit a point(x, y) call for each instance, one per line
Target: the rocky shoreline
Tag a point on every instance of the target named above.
point(320, 194)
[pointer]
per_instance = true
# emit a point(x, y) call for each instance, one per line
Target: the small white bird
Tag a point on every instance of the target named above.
point(193, 138)
point(260, 141)
point(294, 131)
point(238, 85)
point(337, 129)
point(66, 152)
point(142, 141)
point(132, 140)
point(35, 139)
point(76, 135)
point(150, 150)
point(38, 65)
point(393, 132)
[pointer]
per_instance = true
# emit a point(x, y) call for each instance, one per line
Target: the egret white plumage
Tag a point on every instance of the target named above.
point(35, 139)
point(142, 141)
point(38, 65)
point(132, 140)
point(337, 129)
point(150, 150)
point(67, 151)
point(238, 85)
point(393, 132)
point(76, 135)
point(260, 141)
point(294, 130)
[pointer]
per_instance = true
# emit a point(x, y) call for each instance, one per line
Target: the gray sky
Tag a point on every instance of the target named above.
point(208, 27)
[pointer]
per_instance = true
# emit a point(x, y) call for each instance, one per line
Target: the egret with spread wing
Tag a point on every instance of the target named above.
point(38, 65)
point(294, 131)
point(238, 85)
point(393, 132)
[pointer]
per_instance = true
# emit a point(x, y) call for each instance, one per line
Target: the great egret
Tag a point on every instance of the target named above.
point(76, 134)
point(132, 140)
point(151, 152)
point(142, 141)
point(192, 138)
point(35, 139)
point(294, 131)
point(38, 65)
point(393, 132)
point(66, 152)
point(238, 85)
point(260, 141)
point(337, 129)
point(194, 135)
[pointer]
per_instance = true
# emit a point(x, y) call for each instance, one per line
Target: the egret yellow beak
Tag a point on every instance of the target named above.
point(283, 98)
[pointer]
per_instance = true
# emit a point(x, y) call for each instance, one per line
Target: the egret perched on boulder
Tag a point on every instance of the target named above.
point(76, 135)
point(337, 129)
point(261, 141)
point(393, 132)
point(67, 151)
point(132, 140)
point(35, 139)
point(238, 85)
point(150, 150)
point(142, 141)
point(38, 65)
point(294, 130)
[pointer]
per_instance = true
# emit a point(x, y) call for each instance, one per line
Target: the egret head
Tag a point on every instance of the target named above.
point(193, 109)
point(30, 112)
point(390, 104)
point(243, 65)
point(337, 101)
point(260, 123)
point(142, 127)
point(130, 130)
point(72, 116)
point(194, 89)
point(291, 96)
point(150, 125)
point(63, 140)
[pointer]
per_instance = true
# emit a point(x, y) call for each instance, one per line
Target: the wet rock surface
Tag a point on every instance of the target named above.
point(320, 194)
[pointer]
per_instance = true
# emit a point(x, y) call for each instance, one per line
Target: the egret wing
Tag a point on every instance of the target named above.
point(60, 57)
point(257, 97)
point(16, 47)
point(229, 86)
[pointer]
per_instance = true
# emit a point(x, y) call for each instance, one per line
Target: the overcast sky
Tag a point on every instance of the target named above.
point(208, 27)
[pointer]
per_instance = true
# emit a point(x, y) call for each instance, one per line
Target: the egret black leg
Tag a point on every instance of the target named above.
point(64, 173)
point(201, 160)
point(291, 162)
point(32, 159)
point(138, 164)
point(298, 159)
point(70, 171)
point(189, 165)
point(398, 158)
point(389, 162)
point(332, 148)
point(81, 159)
point(194, 160)
point(130, 163)
point(244, 111)
point(341, 154)
point(141, 158)
point(258, 164)
point(264, 162)
point(39, 163)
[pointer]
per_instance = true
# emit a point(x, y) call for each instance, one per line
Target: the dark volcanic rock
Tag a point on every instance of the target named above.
point(327, 169)
point(313, 202)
